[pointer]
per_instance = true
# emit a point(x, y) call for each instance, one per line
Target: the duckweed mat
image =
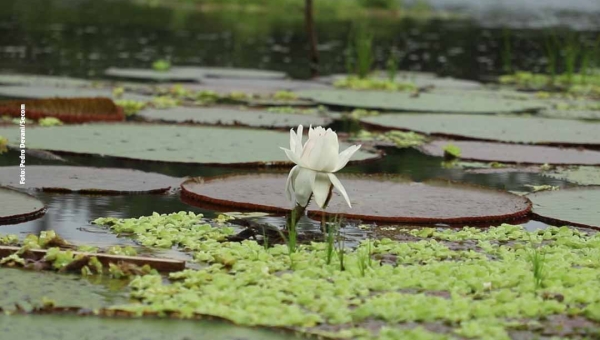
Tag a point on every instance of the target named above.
point(87, 180)
point(166, 143)
point(373, 198)
point(430, 283)
point(494, 128)
point(511, 153)
point(17, 207)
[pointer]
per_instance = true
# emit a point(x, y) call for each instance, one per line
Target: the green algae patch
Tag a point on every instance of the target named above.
point(230, 117)
point(30, 289)
point(388, 288)
point(493, 128)
point(400, 139)
point(70, 327)
point(166, 143)
point(574, 206)
point(88, 180)
point(582, 175)
point(18, 207)
point(421, 102)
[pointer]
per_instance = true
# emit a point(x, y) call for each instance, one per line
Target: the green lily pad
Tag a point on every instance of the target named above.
point(151, 75)
point(571, 114)
point(230, 73)
point(419, 79)
point(373, 198)
point(225, 116)
point(513, 153)
point(424, 102)
point(34, 92)
point(583, 175)
point(166, 143)
point(576, 206)
point(40, 80)
point(72, 327)
point(494, 128)
point(17, 206)
point(87, 180)
point(29, 288)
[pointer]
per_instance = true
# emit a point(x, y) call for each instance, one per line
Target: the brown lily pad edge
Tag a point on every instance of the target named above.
point(74, 179)
point(526, 154)
point(16, 219)
point(80, 110)
point(188, 196)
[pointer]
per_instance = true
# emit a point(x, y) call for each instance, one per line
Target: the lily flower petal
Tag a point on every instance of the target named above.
point(291, 155)
point(303, 184)
point(344, 157)
point(338, 185)
point(289, 183)
point(321, 188)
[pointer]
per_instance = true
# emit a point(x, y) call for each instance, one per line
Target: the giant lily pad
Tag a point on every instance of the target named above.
point(494, 128)
point(151, 75)
point(419, 79)
point(583, 175)
point(424, 102)
point(572, 114)
point(576, 206)
point(513, 153)
point(87, 180)
point(374, 198)
point(225, 116)
point(72, 110)
point(72, 327)
point(29, 288)
point(41, 80)
point(230, 73)
point(17, 206)
point(165, 143)
point(25, 92)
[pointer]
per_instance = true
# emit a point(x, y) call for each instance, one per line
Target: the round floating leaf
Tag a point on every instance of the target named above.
point(70, 110)
point(225, 116)
point(571, 114)
point(583, 175)
point(576, 206)
point(29, 288)
point(253, 86)
point(494, 128)
point(231, 73)
point(17, 206)
point(34, 92)
point(419, 79)
point(151, 75)
point(423, 102)
point(166, 143)
point(513, 153)
point(39, 80)
point(373, 198)
point(87, 180)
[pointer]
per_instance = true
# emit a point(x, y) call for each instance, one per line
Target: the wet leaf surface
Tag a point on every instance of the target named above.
point(228, 116)
point(423, 102)
point(165, 143)
point(35, 92)
point(88, 180)
point(511, 153)
point(494, 128)
point(16, 206)
point(583, 175)
point(575, 206)
point(373, 198)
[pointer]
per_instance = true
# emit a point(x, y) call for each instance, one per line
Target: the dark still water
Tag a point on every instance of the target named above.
point(84, 37)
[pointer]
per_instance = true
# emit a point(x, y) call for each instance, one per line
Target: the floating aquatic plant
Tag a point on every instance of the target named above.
point(50, 121)
point(161, 65)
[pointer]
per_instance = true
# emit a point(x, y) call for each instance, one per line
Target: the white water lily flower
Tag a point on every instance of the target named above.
point(316, 161)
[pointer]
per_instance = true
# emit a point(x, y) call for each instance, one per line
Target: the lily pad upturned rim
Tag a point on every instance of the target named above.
point(118, 173)
point(376, 154)
point(19, 218)
point(190, 197)
point(435, 148)
point(556, 220)
point(117, 116)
